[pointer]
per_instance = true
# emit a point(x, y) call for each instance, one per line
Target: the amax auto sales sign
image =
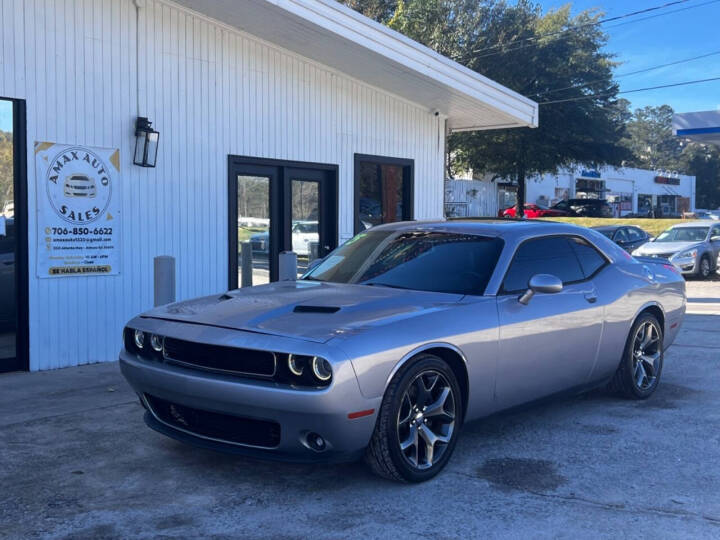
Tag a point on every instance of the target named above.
point(78, 208)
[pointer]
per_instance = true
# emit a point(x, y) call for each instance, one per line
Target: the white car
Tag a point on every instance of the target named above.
point(304, 233)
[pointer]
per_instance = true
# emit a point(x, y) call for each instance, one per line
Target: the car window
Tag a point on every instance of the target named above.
point(419, 260)
point(683, 234)
point(620, 235)
point(547, 255)
point(590, 258)
point(634, 235)
point(715, 231)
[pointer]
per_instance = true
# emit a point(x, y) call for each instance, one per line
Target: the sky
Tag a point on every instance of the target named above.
point(661, 40)
point(5, 115)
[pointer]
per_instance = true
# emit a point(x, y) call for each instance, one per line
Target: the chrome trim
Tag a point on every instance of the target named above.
point(199, 436)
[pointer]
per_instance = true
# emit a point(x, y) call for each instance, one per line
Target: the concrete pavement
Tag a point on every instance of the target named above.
point(76, 461)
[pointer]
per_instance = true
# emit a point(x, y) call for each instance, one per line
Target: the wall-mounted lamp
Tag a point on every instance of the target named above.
point(146, 143)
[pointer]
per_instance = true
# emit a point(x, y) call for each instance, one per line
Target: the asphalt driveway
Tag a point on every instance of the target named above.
point(77, 461)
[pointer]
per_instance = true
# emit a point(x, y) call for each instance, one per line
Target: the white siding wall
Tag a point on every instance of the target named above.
point(210, 91)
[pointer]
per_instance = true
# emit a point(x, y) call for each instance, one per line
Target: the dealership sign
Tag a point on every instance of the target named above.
point(673, 181)
point(78, 208)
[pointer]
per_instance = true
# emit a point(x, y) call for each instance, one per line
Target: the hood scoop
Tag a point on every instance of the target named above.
point(316, 309)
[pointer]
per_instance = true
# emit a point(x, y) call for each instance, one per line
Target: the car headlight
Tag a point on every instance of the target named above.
point(156, 342)
point(689, 254)
point(139, 338)
point(637, 253)
point(296, 364)
point(321, 369)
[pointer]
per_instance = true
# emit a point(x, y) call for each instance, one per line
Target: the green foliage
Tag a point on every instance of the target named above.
point(653, 145)
point(6, 168)
point(509, 43)
point(651, 140)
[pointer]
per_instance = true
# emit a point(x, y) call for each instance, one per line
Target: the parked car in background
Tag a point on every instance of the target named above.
point(626, 236)
point(585, 207)
point(304, 233)
point(390, 343)
point(534, 211)
point(693, 247)
point(706, 214)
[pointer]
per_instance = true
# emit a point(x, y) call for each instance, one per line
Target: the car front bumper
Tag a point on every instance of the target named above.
point(300, 414)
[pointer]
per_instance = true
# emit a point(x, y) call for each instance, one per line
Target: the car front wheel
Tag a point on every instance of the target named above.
point(419, 422)
point(704, 267)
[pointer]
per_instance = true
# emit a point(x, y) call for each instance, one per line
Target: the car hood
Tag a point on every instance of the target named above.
point(652, 248)
point(307, 310)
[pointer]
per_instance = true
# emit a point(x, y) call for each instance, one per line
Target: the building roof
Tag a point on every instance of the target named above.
point(703, 126)
point(338, 37)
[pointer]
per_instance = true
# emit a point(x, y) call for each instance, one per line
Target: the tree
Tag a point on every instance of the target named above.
point(703, 162)
point(6, 168)
point(651, 140)
point(553, 58)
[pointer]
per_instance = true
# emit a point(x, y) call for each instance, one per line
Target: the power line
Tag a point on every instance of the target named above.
point(594, 96)
point(629, 73)
point(663, 14)
point(578, 27)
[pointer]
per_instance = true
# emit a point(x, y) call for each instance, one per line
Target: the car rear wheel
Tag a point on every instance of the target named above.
point(704, 267)
point(639, 371)
point(419, 422)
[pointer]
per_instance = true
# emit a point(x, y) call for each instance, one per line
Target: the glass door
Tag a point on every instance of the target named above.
point(13, 276)
point(278, 206)
point(311, 231)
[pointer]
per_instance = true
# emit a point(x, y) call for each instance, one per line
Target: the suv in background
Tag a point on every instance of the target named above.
point(585, 207)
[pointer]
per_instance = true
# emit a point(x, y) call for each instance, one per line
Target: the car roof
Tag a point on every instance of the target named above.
point(485, 226)
point(609, 227)
point(694, 223)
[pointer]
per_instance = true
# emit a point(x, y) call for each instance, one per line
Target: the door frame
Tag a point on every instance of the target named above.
point(20, 187)
point(280, 196)
point(408, 167)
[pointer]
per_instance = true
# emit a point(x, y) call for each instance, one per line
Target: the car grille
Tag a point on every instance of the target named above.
point(662, 255)
point(216, 426)
point(220, 359)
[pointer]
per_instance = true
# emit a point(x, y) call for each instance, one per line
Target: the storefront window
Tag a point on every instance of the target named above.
point(645, 205)
point(383, 191)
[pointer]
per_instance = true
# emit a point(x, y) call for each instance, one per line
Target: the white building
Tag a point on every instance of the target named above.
point(702, 126)
point(628, 190)
point(277, 120)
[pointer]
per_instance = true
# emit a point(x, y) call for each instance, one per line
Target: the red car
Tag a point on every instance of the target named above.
point(534, 211)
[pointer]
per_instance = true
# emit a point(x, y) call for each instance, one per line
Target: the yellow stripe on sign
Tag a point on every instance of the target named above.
point(40, 146)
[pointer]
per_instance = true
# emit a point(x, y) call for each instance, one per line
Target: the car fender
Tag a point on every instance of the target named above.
point(426, 347)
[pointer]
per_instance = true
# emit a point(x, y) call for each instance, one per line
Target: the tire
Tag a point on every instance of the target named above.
point(639, 383)
point(704, 268)
point(384, 454)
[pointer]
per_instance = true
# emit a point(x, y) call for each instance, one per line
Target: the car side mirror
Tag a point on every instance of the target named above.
point(715, 238)
point(541, 283)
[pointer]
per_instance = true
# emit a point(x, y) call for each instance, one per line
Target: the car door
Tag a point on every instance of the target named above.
point(715, 244)
point(551, 343)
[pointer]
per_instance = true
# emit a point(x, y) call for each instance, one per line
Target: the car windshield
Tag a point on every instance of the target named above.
point(607, 232)
point(306, 227)
point(432, 261)
point(683, 234)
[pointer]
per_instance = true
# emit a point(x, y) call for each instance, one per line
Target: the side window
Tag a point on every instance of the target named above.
point(715, 231)
point(621, 235)
point(635, 234)
point(590, 259)
point(547, 255)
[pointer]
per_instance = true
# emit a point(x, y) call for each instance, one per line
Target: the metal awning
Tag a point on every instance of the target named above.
point(338, 37)
point(703, 126)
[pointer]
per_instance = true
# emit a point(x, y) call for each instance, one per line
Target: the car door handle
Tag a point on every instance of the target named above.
point(591, 297)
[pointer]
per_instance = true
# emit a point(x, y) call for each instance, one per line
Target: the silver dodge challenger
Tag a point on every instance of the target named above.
point(395, 339)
